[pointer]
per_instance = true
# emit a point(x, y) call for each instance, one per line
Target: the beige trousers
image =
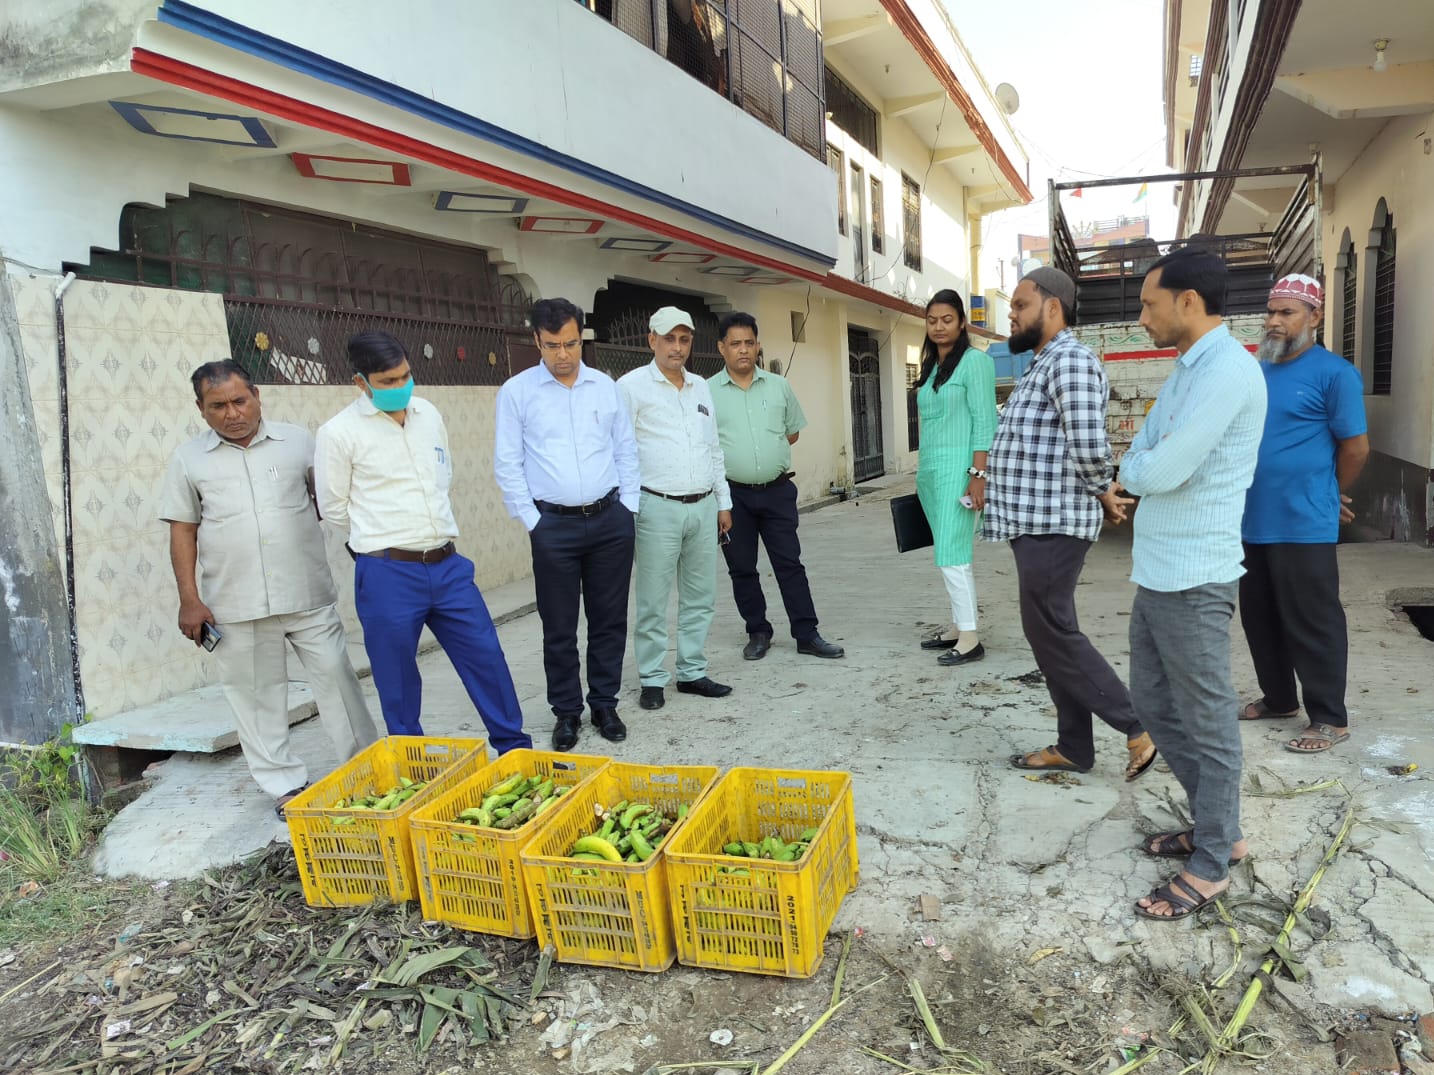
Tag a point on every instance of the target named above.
point(254, 668)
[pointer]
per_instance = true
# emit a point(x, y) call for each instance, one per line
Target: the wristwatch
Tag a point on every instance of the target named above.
point(975, 473)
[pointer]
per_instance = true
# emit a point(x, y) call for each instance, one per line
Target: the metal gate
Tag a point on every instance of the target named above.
point(867, 459)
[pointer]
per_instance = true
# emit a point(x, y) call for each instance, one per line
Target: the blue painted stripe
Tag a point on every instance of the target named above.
point(206, 24)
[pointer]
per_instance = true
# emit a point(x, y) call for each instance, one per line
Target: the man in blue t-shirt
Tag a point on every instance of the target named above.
point(1313, 449)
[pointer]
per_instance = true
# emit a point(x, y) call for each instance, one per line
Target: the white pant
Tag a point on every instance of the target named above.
point(961, 587)
point(255, 674)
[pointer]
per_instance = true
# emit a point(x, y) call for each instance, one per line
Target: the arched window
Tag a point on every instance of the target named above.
point(1348, 267)
point(1382, 368)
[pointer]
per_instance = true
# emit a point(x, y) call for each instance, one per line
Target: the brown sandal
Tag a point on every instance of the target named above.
point(1141, 752)
point(1176, 845)
point(1047, 760)
point(1257, 710)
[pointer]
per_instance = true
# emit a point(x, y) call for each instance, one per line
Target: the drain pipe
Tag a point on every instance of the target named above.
point(86, 776)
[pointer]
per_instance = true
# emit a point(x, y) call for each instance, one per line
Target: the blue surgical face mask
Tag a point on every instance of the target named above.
point(391, 399)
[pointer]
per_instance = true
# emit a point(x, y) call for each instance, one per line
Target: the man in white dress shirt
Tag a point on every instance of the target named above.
point(240, 510)
point(684, 507)
point(382, 471)
point(566, 461)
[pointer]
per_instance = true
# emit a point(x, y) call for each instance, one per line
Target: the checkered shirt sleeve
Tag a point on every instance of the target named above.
point(1051, 455)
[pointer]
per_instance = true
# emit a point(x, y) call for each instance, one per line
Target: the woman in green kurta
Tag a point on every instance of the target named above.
point(956, 398)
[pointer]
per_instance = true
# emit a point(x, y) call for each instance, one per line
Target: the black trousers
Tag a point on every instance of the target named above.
point(1080, 680)
point(587, 557)
point(1294, 625)
point(770, 514)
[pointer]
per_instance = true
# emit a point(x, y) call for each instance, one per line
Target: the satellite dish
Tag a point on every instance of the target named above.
point(1008, 98)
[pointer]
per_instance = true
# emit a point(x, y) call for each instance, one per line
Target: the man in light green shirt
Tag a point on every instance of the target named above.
point(758, 421)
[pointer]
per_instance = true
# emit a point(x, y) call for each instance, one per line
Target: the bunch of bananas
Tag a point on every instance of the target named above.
point(630, 832)
point(772, 847)
point(513, 802)
point(391, 799)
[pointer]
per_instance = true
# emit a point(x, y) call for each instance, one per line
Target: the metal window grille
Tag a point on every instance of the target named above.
point(847, 109)
point(911, 222)
point(913, 415)
point(878, 218)
point(765, 56)
point(1349, 299)
point(1383, 371)
point(296, 287)
point(836, 160)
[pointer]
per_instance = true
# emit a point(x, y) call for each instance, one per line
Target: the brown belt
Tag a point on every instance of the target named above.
point(415, 556)
point(687, 498)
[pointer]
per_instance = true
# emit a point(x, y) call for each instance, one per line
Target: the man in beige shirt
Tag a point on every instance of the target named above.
point(238, 500)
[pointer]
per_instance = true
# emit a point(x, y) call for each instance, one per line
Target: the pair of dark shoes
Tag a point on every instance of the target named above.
point(654, 698)
point(816, 646)
point(607, 722)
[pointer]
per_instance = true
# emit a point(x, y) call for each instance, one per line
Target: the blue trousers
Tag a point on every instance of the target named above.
point(395, 600)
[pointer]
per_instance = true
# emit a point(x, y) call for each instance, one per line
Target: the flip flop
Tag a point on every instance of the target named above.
point(1047, 760)
point(1175, 845)
point(1325, 735)
point(1263, 712)
point(1136, 764)
point(284, 800)
point(1184, 900)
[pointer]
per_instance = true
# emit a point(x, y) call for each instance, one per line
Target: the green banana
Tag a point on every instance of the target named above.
point(640, 846)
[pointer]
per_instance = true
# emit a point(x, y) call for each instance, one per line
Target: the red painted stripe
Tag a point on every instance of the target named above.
point(188, 76)
point(1167, 352)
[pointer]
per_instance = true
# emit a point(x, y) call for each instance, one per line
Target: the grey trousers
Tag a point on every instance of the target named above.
point(1181, 687)
point(253, 667)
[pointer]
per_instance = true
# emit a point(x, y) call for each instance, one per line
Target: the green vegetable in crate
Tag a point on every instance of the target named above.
point(512, 803)
point(772, 847)
point(391, 799)
point(630, 832)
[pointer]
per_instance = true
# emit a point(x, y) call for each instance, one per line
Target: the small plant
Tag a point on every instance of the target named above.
point(44, 819)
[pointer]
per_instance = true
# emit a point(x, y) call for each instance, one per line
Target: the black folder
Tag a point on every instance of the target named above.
point(912, 529)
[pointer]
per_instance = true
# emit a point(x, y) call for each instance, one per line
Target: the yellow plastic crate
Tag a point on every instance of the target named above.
point(371, 858)
point(774, 918)
point(609, 914)
point(472, 878)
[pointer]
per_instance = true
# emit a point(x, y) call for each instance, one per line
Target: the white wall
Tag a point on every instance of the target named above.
point(1396, 167)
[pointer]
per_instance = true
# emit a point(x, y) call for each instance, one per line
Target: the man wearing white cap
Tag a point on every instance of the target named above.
point(1314, 447)
point(685, 508)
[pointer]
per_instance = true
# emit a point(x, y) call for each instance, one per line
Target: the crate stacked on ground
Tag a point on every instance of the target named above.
point(349, 856)
point(759, 914)
point(610, 914)
point(471, 876)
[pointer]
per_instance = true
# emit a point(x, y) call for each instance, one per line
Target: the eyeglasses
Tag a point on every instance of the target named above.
point(552, 347)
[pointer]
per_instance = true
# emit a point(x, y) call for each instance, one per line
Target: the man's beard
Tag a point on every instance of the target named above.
point(1027, 339)
point(1282, 349)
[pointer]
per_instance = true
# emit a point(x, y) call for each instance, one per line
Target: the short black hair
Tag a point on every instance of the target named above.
point(1067, 310)
point(1200, 271)
point(736, 319)
point(374, 352)
point(550, 315)
point(213, 374)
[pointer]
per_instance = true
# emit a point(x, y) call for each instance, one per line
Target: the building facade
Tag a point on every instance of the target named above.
point(259, 180)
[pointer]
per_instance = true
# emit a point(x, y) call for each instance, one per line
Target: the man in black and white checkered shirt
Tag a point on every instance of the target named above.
point(1049, 484)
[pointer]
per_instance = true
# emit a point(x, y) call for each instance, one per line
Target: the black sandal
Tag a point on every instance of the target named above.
point(1181, 905)
point(284, 800)
point(1175, 845)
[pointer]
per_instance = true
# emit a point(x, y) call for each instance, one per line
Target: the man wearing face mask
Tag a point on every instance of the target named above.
point(1313, 448)
point(382, 470)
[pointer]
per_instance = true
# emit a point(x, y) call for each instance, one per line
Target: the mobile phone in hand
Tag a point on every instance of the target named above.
point(209, 637)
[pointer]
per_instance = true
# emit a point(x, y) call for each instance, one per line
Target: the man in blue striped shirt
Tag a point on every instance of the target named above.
point(1190, 464)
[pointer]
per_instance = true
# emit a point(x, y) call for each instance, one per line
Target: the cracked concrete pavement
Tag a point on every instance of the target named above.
point(1026, 863)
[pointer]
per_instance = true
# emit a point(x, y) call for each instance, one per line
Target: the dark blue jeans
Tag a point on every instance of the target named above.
point(395, 600)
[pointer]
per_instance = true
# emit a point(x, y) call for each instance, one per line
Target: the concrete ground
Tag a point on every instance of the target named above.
point(1029, 864)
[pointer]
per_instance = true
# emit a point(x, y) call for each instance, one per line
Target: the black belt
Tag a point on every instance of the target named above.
point(414, 556)
point(788, 476)
point(579, 509)
point(689, 498)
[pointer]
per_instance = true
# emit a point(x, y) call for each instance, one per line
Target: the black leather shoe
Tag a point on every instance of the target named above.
point(651, 698)
point(706, 687)
point(565, 732)
point(817, 646)
point(756, 647)
point(953, 658)
point(609, 725)
point(938, 643)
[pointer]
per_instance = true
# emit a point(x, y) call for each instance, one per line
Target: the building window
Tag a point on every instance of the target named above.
point(297, 286)
point(1383, 369)
point(848, 111)
point(1348, 264)
point(878, 218)
point(837, 160)
point(911, 222)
